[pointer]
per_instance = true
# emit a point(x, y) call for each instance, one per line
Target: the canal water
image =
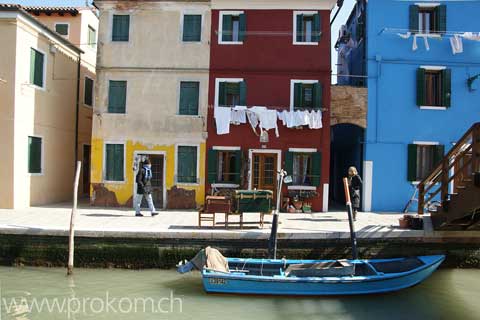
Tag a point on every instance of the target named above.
point(41, 293)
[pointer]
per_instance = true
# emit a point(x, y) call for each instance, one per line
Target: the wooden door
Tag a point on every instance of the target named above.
point(157, 181)
point(264, 173)
point(86, 169)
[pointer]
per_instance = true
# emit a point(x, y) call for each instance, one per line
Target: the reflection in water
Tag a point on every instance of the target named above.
point(154, 294)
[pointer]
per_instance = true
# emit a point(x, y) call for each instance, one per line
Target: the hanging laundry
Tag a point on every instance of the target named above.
point(282, 117)
point(239, 115)
point(268, 120)
point(457, 44)
point(315, 120)
point(475, 36)
point(253, 120)
point(405, 36)
point(425, 41)
point(222, 117)
point(414, 45)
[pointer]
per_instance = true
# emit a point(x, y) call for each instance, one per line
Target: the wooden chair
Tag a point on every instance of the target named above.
point(205, 217)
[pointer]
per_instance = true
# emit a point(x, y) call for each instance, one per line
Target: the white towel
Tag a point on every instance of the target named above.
point(457, 44)
point(222, 119)
point(472, 36)
point(315, 120)
point(238, 116)
point(268, 120)
point(414, 45)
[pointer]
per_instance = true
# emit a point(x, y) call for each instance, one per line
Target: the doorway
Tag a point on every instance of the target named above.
point(264, 171)
point(86, 169)
point(158, 176)
point(346, 151)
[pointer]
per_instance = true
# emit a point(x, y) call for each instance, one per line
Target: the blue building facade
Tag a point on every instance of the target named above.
point(421, 60)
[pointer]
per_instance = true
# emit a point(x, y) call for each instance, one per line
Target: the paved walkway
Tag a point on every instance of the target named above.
point(102, 222)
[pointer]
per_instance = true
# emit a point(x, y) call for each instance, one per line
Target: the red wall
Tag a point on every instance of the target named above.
point(267, 63)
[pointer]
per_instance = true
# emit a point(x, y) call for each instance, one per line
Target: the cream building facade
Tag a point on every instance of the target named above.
point(151, 101)
point(39, 121)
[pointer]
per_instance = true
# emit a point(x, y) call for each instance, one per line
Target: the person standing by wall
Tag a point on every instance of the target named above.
point(354, 184)
point(144, 188)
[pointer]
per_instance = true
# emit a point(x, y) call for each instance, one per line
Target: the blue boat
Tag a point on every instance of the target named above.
point(319, 277)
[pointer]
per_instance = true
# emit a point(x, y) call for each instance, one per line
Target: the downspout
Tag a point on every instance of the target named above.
point(339, 5)
point(77, 108)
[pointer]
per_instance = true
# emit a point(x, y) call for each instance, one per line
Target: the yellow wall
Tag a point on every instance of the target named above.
point(124, 190)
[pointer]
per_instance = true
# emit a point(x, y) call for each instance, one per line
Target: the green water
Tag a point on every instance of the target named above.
point(448, 294)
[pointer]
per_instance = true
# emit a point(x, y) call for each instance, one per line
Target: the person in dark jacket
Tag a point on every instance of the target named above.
point(354, 185)
point(144, 188)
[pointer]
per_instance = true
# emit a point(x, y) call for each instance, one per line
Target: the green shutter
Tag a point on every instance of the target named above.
point(238, 167)
point(212, 166)
point(189, 98)
point(317, 29)
point(187, 164)
point(114, 162)
point(421, 87)
point(297, 95)
point(36, 67)
point(317, 95)
point(316, 168)
point(289, 163)
point(192, 27)
point(300, 35)
point(222, 93)
point(62, 29)
point(118, 164)
point(117, 96)
point(92, 35)
point(441, 18)
point(242, 27)
point(243, 93)
point(121, 28)
point(88, 94)
point(227, 28)
point(439, 154)
point(413, 18)
point(34, 155)
point(447, 87)
point(412, 162)
point(32, 65)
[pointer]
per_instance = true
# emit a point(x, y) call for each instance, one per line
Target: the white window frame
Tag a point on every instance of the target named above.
point(110, 28)
point(202, 24)
point(42, 156)
point(105, 161)
point(220, 26)
point(225, 148)
point(93, 92)
point(433, 68)
point(196, 184)
point(179, 91)
point(278, 152)
point(302, 150)
point(423, 143)
point(96, 37)
point(108, 95)
point(292, 89)
point(44, 69)
point(217, 86)
point(68, 29)
point(295, 14)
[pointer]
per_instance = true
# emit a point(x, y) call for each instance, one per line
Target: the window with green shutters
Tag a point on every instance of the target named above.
point(304, 168)
point(117, 96)
point(189, 93)
point(434, 87)
point(307, 95)
point(120, 27)
point(307, 27)
point(187, 164)
point(37, 67)
point(232, 94)
point(428, 19)
point(92, 37)
point(192, 27)
point(88, 94)
point(114, 162)
point(233, 26)
point(34, 155)
point(62, 28)
point(422, 160)
point(224, 166)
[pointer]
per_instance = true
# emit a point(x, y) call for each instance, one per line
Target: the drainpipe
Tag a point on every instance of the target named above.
point(77, 107)
point(339, 5)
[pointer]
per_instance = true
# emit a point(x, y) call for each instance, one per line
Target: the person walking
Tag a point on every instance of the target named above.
point(144, 188)
point(354, 185)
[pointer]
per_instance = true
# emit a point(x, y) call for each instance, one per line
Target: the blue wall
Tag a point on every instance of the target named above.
point(393, 119)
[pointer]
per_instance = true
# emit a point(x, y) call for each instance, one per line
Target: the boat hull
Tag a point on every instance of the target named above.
point(349, 285)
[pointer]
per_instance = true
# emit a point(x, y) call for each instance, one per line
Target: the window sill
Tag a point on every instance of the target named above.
point(225, 185)
point(192, 42)
point(114, 182)
point(231, 42)
point(187, 184)
point(302, 188)
point(36, 174)
point(432, 108)
point(189, 115)
point(305, 43)
point(34, 86)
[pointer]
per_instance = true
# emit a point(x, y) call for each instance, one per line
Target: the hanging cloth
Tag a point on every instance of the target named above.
point(414, 45)
point(253, 120)
point(457, 44)
point(268, 120)
point(425, 41)
point(222, 117)
point(472, 36)
point(405, 36)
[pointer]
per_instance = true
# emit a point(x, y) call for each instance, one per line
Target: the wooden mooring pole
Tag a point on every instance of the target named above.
point(72, 220)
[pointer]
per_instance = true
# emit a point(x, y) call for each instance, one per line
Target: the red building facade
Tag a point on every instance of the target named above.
point(274, 54)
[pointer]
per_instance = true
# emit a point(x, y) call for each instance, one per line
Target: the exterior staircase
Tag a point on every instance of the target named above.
point(451, 193)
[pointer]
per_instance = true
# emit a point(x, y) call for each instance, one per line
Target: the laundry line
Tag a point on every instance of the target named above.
point(268, 33)
point(211, 106)
point(445, 33)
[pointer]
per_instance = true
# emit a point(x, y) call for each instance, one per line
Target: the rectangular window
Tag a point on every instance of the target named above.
point(305, 168)
point(189, 93)
point(232, 94)
point(307, 27)
point(192, 27)
point(187, 164)
point(428, 19)
point(114, 162)
point(224, 166)
point(34, 155)
point(88, 94)
point(120, 27)
point(423, 159)
point(233, 26)
point(433, 87)
point(62, 29)
point(92, 37)
point(37, 66)
point(117, 96)
point(307, 95)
